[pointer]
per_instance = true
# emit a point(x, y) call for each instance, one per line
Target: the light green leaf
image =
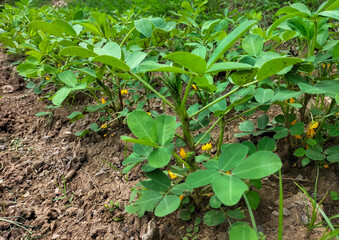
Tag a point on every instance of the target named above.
point(266, 143)
point(284, 94)
point(228, 189)
point(167, 205)
point(68, 78)
point(314, 155)
point(263, 95)
point(253, 44)
point(258, 165)
point(111, 61)
point(242, 232)
point(110, 49)
point(60, 96)
point(139, 141)
point(158, 181)
point(228, 41)
point(142, 125)
point(160, 157)
point(135, 58)
point(148, 200)
point(144, 26)
point(77, 51)
point(166, 128)
point(201, 178)
point(228, 66)
point(232, 155)
point(191, 61)
point(150, 66)
point(242, 77)
point(275, 65)
point(247, 126)
point(64, 27)
point(332, 14)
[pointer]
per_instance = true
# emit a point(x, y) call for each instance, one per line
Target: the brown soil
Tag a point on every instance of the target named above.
point(36, 154)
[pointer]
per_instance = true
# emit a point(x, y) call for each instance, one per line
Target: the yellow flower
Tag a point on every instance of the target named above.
point(182, 153)
point(294, 165)
point(325, 166)
point(104, 125)
point(294, 122)
point(103, 101)
point(47, 78)
point(207, 147)
point(105, 135)
point(310, 131)
point(172, 175)
point(58, 65)
point(124, 91)
point(181, 197)
point(291, 100)
point(228, 172)
point(149, 113)
point(194, 87)
point(208, 195)
point(297, 136)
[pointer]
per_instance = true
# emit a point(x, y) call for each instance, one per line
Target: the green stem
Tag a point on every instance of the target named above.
point(153, 90)
point(281, 207)
point(254, 225)
point(214, 102)
point(210, 129)
point(129, 33)
point(314, 202)
point(183, 103)
point(221, 135)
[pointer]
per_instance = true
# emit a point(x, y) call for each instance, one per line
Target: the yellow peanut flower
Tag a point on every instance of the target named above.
point(47, 78)
point(297, 136)
point(172, 175)
point(149, 113)
point(294, 122)
point(228, 172)
point(182, 153)
point(291, 100)
point(207, 147)
point(103, 101)
point(105, 135)
point(124, 91)
point(181, 197)
point(310, 131)
point(325, 166)
point(104, 125)
point(194, 87)
point(58, 65)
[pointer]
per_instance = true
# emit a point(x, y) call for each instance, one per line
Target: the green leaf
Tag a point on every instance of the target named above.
point(228, 41)
point(258, 165)
point(332, 14)
point(64, 27)
point(300, 152)
point(305, 161)
point(253, 44)
point(74, 116)
point(158, 181)
point(181, 189)
point(148, 200)
point(68, 78)
point(247, 126)
point(333, 158)
point(253, 199)
point(27, 69)
point(135, 58)
point(263, 95)
point(314, 155)
point(167, 205)
point(150, 66)
point(57, 28)
point(40, 114)
point(283, 19)
point(201, 178)
point(283, 95)
point(232, 155)
point(214, 218)
point(228, 189)
point(60, 96)
point(166, 126)
point(275, 65)
point(243, 76)
point(266, 143)
point(111, 61)
point(332, 150)
point(160, 157)
point(242, 232)
point(335, 52)
point(236, 214)
point(263, 121)
point(143, 26)
point(214, 202)
point(110, 49)
point(142, 125)
point(228, 66)
point(297, 129)
point(188, 60)
point(330, 86)
point(139, 141)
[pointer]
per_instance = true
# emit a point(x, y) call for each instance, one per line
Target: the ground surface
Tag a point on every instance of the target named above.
point(35, 154)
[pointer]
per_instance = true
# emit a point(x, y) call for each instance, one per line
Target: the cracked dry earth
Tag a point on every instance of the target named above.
point(39, 155)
